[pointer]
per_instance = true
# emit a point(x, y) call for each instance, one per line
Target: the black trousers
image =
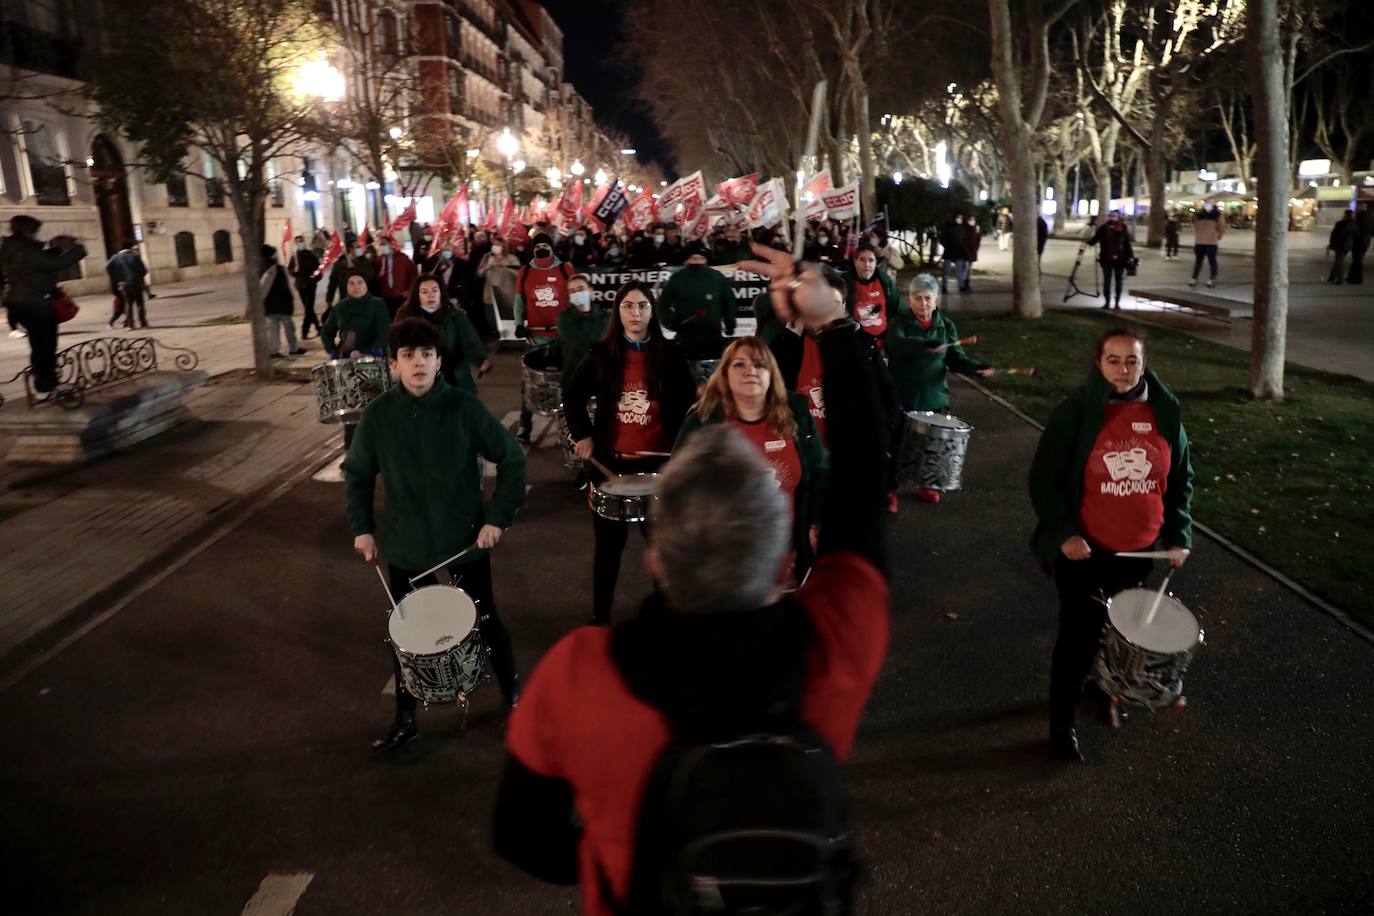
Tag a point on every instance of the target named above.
point(37, 319)
point(1356, 274)
point(1171, 246)
point(1337, 274)
point(1110, 272)
point(611, 537)
point(1084, 587)
point(307, 294)
point(133, 300)
point(475, 579)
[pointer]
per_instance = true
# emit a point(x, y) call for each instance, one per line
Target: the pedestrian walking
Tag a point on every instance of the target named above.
point(1042, 235)
point(952, 253)
point(1208, 229)
point(720, 654)
point(973, 240)
point(1340, 243)
point(114, 269)
point(1003, 228)
point(133, 286)
point(1112, 474)
point(1115, 254)
point(496, 273)
point(1364, 228)
point(303, 267)
point(1172, 227)
point(278, 304)
point(29, 271)
point(395, 274)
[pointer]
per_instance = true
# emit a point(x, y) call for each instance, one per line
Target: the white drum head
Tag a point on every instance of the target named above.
point(931, 418)
point(1173, 628)
point(432, 619)
point(631, 485)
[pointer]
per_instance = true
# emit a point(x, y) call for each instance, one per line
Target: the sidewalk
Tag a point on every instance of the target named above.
point(68, 539)
point(1329, 327)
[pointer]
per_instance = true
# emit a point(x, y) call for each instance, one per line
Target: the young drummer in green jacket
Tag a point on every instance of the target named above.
point(463, 349)
point(747, 391)
point(358, 324)
point(922, 346)
point(424, 438)
point(1112, 474)
point(697, 302)
point(579, 326)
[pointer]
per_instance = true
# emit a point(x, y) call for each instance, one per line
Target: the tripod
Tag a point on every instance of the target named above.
point(1072, 289)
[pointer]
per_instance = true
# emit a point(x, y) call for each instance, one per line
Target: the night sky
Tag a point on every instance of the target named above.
point(591, 38)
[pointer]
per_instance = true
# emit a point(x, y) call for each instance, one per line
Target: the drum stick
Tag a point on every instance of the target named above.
point(812, 135)
point(1159, 596)
point(1145, 554)
point(965, 341)
point(394, 606)
point(1030, 371)
point(601, 467)
point(436, 568)
point(652, 454)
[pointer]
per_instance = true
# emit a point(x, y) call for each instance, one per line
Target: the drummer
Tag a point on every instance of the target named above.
point(357, 326)
point(747, 391)
point(647, 379)
point(1111, 474)
point(463, 349)
point(873, 297)
point(424, 438)
point(580, 326)
point(922, 345)
point(698, 302)
point(541, 294)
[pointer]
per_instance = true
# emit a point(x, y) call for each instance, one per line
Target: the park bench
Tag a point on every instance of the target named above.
point(1203, 305)
point(111, 393)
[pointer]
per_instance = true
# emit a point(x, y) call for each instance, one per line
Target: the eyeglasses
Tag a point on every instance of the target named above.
point(636, 307)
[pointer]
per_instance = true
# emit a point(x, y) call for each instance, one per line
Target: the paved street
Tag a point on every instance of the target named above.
point(212, 734)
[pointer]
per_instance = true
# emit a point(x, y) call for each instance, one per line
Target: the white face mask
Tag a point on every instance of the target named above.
point(613, 252)
point(429, 310)
point(357, 252)
point(581, 300)
point(579, 240)
point(384, 250)
point(660, 239)
point(823, 239)
point(446, 255)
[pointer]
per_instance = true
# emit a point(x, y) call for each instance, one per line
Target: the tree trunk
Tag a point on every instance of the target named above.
point(252, 238)
point(867, 188)
point(1016, 146)
point(835, 159)
point(1271, 97)
point(1155, 177)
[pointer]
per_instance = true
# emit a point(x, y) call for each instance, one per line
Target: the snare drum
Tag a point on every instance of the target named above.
point(701, 369)
point(933, 450)
point(343, 387)
point(625, 498)
point(542, 379)
point(1143, 663)
point(434, 634)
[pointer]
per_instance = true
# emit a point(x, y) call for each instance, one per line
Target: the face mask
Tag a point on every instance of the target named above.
point(498, 251)
point(446, 255)
point(579, 240)
point(695, 266)
point(823, 239)
point(428, 310)
point(613, 252)
point(660, 239)
point(357, 252)
point(384, 250)
point(543, 252)
point(581, 300)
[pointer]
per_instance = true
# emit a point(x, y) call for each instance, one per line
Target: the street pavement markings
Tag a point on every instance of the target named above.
point(278, 894)
point(331, 472)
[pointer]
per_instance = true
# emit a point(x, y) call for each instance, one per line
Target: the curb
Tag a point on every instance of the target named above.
point(85, 616)
point(1340, 616)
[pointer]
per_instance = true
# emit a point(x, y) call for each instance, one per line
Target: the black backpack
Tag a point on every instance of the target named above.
point(757, 824)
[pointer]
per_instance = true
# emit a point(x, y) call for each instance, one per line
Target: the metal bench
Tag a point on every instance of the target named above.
point(1203, 305)
point(98, 363)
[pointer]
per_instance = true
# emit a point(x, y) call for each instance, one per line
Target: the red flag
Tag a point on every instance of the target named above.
point(445, 225)
point(821, 182)
point(640, 213)
point(507, 217)
point(570, 203)
point(362, 239)
point(739, 191)
point(404, 219)
point(699, 226)
point(464, 211)
point(518, 235)
point(589, 209)
point(490, 221)
point(332, 254)
point(286, 236)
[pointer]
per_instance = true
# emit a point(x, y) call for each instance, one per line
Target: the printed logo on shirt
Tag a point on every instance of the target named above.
point(869, 317)
point(1129, 470)
point(1142, 427)
point(633, 407)
point(776, 445)
point(545, 295)
point(817, 400)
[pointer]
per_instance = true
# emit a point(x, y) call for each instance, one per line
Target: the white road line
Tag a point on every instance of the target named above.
point(278, 894)
point(332, 472)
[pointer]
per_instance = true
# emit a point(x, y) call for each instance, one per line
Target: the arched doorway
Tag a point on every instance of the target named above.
point(111, 194)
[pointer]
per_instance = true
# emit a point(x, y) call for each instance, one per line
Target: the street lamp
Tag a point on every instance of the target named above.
point(600, 177)
point(395, 133)
point(576, 168)
point(319, 78)
point(519, 166)
point(507, 145)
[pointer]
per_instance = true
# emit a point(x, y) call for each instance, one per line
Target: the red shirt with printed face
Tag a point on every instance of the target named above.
point(545, 292)
point(809, 383)
point(870, 306)
point(780, 452)
point(1125, 479)
point(638, 422)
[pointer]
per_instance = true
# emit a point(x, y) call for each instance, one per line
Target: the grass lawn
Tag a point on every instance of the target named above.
point(1290, 482)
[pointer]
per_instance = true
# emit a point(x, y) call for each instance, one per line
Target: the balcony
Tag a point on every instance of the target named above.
point(473, 65)
point(495, 33)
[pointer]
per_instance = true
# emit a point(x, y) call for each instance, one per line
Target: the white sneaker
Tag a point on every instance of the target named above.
point(1193, 282)
point(16, 334)
point(1211, 284)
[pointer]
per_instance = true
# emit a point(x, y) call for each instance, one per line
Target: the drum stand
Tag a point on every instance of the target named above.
point(1072, 289)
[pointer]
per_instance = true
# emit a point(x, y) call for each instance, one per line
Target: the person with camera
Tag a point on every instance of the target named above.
point(1115, 254)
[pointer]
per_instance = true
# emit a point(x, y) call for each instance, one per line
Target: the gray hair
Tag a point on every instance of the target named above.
point(721, 524)
point(924, 283)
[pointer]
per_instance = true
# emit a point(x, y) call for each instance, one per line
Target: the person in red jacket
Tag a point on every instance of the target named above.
point(721, 642)
point(395, 274)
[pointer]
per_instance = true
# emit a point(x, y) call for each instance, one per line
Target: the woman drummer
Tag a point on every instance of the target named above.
point(358, 324)
point(462, 347)
point(923, 347)
point(1112, 474)
point(646, 378)
point(747, 391)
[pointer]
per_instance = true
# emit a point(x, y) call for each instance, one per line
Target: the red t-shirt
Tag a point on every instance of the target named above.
point(870, 306)
point(638, 424)
point(1125, 479)
point(809, 382)
point(545, 293)
point(781, 454)
point(577, 721)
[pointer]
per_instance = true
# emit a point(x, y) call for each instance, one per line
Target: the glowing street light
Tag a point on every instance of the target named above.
point(577, 168)
point(554, 176)
point(518, 166)
point(320, 78)
point(600, 176)
point(627, 152)
point(897, 177)
point(395, 133)
point(506, 144)
point(474, 153)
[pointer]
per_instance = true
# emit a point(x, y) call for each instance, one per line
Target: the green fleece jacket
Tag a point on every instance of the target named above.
point(1056, 474)
point(696, 302)
point(426, 451)
point(577, 331)
point(463, 350)
point(366, 318)
point(815, 478)
point(921, 375)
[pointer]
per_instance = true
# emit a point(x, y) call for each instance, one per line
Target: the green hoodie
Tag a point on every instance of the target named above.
point(577, 331)
point(426, 450)
point(922, 376)
point(695, 303)
point(368, 320)
point(1056, 474)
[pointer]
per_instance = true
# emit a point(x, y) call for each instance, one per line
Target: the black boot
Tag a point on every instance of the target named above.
point(403, 730)
point(1064, 745)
